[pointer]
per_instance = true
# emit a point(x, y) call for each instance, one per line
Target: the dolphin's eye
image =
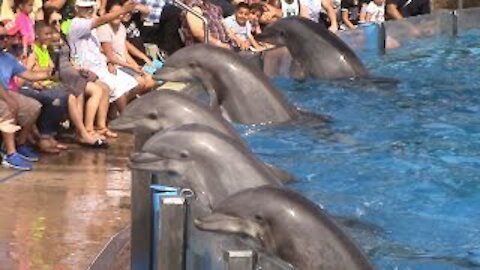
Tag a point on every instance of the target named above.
point(258, 218)
point(184, 154)
point(152, 116)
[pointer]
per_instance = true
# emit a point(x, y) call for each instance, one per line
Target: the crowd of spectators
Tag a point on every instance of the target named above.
point(84, 60)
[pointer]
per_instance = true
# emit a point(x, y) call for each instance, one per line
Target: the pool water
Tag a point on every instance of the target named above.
point(407, 164)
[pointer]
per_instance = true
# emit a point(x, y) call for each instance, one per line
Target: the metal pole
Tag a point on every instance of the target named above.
point(181, 5)
point(170, 233)
point(141, 212)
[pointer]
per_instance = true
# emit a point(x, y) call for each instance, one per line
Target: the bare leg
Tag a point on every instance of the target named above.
point(9, 141)
point(94, 93)
point(103, 112)
point(77, 120)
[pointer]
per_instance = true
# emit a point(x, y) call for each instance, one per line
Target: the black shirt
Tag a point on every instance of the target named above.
point(411, 7)
point(353, 7)
point(134, 35)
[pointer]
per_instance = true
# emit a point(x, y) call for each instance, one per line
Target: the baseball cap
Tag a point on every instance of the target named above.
point(85, 3)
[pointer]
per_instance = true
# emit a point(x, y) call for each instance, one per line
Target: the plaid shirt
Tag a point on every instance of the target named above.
point(214, 16)
point(156, 7)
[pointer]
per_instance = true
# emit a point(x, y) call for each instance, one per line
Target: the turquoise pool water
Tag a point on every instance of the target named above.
point(407, 166)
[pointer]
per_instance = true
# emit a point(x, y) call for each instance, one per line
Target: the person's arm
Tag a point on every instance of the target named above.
point(132, 50)
point(100, 20)
point(346, 19)
point(254, 43)
point(133, 63)
point(304, 12)
point(196, 27)
point(232, 34)
point(35, 76)
point(143, 9)
point(363, 13)
point(328, 6)
point(392, 11)
point(57, 4)
point(112, 58)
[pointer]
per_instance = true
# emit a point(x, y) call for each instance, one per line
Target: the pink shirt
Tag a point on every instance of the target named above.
point(25, 25)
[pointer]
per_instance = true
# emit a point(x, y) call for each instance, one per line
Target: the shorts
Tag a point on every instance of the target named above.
point(28, 109)
point(119, 84)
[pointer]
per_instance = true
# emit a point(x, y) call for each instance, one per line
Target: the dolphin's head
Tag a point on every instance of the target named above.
point(279, 32)
point(194, 155)
point(144, 115)
point(190, 64)
point(177, 148)
point(160, 154)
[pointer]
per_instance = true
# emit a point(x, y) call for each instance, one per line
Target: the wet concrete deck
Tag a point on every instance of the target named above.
point(60, 215)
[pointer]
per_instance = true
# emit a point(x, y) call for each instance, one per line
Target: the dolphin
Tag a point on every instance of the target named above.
point(319, 53)
point(198, 157)
point(242, 91)
point(287, 225)
point(166, 109)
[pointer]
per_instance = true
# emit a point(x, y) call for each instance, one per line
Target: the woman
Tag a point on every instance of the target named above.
point(113, 37)
point(192, 27)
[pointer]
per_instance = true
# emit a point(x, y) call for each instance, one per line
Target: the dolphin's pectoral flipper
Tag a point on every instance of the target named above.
point(281, 174)
point(222, 223)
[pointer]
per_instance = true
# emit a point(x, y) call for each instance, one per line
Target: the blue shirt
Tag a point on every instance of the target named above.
point(9, 67)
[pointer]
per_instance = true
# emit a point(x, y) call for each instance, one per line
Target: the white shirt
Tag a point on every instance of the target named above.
point(84, 45)
point(239, 30)
point(292, 9)
point(118, 39)
point(377, 12)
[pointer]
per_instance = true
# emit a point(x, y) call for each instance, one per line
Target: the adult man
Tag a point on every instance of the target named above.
point(398, 9)
point(16, 107)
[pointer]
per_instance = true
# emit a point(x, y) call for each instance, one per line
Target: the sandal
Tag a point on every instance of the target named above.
point(98, 144)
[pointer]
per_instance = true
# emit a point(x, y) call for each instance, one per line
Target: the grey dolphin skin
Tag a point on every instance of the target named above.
point(320, 53)
point(213, 165)
point(286, 225)
point(243, 92)
point(166, 109)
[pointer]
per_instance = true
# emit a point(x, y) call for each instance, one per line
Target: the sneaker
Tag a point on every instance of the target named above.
point(16, 161)
point(27, 153)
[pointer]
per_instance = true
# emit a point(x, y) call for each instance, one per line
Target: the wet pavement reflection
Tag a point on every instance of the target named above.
point(60, 215)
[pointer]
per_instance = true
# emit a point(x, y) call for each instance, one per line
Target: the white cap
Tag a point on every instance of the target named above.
point(85, 3)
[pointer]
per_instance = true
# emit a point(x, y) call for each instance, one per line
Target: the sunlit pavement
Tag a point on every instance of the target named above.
point(60, 215)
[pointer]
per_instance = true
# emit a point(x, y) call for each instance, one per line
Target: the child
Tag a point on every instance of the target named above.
point(49, 93)
point(376, 11)
point(23, 23)
point(256, 11)
point(239, 29)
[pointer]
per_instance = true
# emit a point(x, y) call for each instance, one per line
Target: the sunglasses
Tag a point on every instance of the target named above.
point(4, 37)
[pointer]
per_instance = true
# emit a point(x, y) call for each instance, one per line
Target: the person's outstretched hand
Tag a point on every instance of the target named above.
point(7, 126)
